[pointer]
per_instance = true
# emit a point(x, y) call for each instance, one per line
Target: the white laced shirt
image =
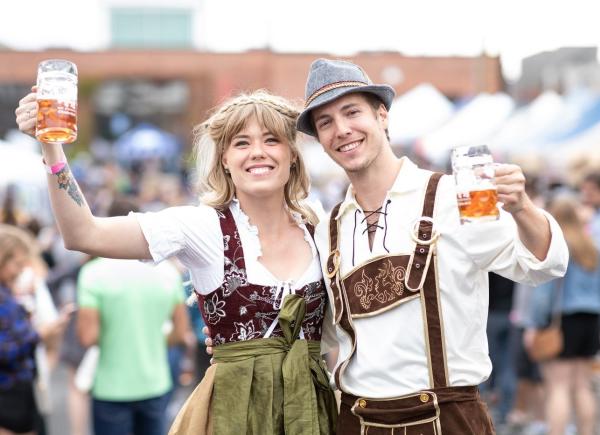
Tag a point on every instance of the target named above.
point(391, 358)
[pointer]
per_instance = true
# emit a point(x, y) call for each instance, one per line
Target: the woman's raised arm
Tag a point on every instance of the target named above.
point(114, 237)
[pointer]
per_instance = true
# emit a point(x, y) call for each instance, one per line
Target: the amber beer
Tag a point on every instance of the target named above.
point(473, 170)
point(56, 121)
point(57, 102)
point(478, 205)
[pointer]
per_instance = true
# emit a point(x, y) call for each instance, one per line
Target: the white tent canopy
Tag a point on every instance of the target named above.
point(473, 124)
point(418, 112)
point(528, 122)
point(574, 106)
point(585, 145)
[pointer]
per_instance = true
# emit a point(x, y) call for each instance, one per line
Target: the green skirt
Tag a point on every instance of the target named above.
point(273, 385)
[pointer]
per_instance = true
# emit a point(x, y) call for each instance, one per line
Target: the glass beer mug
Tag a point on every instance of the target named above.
point(57, 101)
point(473, 169)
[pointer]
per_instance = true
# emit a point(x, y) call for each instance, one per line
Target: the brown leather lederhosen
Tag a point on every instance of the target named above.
point(377, 286)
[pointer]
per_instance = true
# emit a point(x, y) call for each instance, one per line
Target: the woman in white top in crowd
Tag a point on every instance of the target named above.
point(253, 263)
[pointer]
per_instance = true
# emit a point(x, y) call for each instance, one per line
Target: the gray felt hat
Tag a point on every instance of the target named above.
point(331, 79)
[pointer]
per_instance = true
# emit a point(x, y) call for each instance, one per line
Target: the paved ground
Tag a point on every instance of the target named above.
point(58, 420)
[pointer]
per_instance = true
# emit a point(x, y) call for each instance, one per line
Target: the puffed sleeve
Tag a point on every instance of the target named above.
point(191, 233)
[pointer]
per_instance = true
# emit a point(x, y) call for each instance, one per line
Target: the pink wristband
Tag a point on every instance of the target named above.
point(55, 168)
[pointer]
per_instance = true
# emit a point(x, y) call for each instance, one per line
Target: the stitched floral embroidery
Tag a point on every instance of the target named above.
point(226, 242)
point(390, 282)
point(233, 279)
point(314, 291)
point(244, 331)
point(363, 289)
point(214, 309)
point(386, 287)
point(310, 327)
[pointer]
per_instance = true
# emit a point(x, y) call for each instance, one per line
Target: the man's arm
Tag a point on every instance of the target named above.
point(88, 326)
point(534, 228)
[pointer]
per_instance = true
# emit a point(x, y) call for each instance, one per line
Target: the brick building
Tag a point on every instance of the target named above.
point(207, 78)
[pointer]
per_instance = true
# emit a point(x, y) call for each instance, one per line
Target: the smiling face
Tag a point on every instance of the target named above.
point(250, 118)
point(258, 161)
point(352, 132)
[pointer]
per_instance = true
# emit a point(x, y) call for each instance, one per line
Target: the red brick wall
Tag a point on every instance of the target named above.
point(281, 73)
point(215, 76)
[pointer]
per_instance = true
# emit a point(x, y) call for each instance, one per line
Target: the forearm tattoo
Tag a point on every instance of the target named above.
point(67, 182)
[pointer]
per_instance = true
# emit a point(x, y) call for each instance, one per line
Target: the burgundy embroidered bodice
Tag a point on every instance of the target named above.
point(239, 310)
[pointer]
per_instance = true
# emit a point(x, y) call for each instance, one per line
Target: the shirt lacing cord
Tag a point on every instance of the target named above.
point(284, 288)
point(370, 228)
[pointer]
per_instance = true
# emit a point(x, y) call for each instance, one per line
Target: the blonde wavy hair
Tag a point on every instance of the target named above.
point(212, 137)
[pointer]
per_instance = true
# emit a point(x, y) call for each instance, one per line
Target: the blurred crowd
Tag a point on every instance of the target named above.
point(120, 328)
point(61, 308)
point(558, 395)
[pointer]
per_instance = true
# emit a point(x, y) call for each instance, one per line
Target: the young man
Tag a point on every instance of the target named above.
point(408, 284)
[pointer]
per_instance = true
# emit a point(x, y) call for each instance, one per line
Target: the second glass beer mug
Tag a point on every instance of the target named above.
point(57, 101)
point(473, 169)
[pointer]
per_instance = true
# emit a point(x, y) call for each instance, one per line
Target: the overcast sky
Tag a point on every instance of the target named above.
point(511, 28)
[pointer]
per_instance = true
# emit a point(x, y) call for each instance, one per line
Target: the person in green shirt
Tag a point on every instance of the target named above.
point(124, 306)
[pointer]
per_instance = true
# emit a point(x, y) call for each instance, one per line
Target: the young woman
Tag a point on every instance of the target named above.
point(568, 377)
point(253, 264)
point(18, 338)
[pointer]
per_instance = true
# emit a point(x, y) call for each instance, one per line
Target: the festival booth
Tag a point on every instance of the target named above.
point(579, 151)
point(528, 122)
point(569, 119)
point(473, 124)
point(416, 113)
